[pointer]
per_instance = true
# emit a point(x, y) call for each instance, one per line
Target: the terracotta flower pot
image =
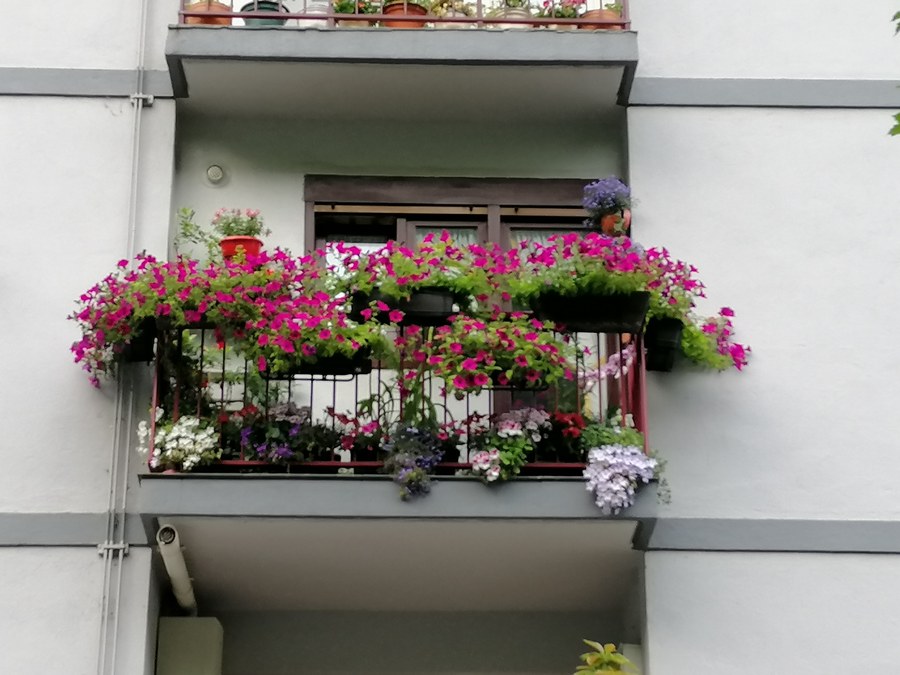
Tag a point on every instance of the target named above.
point(230, 245)
point(616, 223)
point(211, 8)
point(602, 15)
point(354, 23)
point(409, 9)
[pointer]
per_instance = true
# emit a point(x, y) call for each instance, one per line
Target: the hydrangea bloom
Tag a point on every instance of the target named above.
point(613, 473)
point(605, 196)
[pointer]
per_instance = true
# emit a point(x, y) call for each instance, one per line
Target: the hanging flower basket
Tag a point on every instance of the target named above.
point(663, 341)
point(594, 312)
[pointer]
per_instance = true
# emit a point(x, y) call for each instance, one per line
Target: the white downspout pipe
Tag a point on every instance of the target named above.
point(176, 568)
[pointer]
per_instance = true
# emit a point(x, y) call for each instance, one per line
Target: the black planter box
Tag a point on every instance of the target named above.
point(141, 346)
point(358, 364)
point(663, 342)
point(594, 313)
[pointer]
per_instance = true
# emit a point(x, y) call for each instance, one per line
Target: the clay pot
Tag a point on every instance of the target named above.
point(211, 8)
point(230, 245)
point(601, 15)
point(409, 9)
point(613, 224)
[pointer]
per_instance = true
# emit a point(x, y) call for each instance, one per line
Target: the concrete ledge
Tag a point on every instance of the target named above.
point(370, 497)
point(769, 93)
point(439, 47)
point(81, 82)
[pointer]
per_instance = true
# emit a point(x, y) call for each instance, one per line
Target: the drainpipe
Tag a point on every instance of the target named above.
point(173, 558)
point(114, 548)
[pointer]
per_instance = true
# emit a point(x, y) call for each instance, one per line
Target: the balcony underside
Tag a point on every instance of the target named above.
point(524, 75)
point(272, 564)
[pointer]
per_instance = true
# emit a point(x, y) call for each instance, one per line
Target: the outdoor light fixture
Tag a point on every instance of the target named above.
point(173, 558)
point(215, 174)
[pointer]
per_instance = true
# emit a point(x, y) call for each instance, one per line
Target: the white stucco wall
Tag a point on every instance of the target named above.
point(751, 613)
point(796, 39)
point(789, 215)
point(49, 610)
point(265, 162)
point(83, 34)
point(67, 168)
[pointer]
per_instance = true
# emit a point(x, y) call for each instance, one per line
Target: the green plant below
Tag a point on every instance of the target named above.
point(604, 659)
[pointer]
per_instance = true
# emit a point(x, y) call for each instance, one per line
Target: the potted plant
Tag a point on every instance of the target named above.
point(588, 283)
point(511, 9)
point(673, 290)
point(612, 11)
point(404, 8)
point(210, 8)
point(709, 342)
point(604, 659)
point(608, 203)
point(422, 285)
point(561, 9)
point(239, 230)
point(356, 7)
point(472, 354)
point(264, 7)
point(452, 9)
point(181, 444)
point(310, 334)
point(117, 316)
point(614, 472)
point(412, 455)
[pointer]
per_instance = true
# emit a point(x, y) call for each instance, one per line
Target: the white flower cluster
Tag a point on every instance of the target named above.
point(533, 421)
point(613, 473)
point(509, 428)
point(185, 443)
point(487, 463)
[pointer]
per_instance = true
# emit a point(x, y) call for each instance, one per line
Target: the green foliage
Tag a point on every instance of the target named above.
point(603, 659)
point(612, 431)
point(702, 348)
point(190, 232)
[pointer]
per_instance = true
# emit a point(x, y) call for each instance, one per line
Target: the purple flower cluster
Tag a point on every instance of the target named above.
point(605, 196)
point(413, 455)
point(613, 473)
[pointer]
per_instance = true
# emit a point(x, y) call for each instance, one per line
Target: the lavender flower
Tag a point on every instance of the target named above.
point(605, 196)
point(613, 473)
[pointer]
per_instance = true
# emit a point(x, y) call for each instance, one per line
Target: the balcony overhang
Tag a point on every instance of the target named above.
point(287, 72)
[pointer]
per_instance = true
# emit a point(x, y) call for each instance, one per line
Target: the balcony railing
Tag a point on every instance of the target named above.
point(337, 416)
point(448, 14)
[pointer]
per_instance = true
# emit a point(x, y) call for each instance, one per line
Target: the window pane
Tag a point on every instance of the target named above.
point(540, 235)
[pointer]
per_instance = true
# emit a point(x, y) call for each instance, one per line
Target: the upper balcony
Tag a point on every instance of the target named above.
point(310, 61)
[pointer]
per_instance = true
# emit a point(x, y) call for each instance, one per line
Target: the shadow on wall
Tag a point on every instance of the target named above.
point(310, 643)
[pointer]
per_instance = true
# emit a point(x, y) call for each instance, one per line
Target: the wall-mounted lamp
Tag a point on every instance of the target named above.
point(215, 174)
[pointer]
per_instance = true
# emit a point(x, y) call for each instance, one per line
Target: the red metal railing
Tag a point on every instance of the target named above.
point(609, 377)
point(322, 14)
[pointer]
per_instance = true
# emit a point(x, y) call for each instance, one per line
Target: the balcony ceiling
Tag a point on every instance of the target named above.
point(320, 564)
point(438, 75)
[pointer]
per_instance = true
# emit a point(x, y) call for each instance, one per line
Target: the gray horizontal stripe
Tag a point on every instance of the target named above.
point(801, 536)
point(63, 529)
point(794, 93)
point(81, 82)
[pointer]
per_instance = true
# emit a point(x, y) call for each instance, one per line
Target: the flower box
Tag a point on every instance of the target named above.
point(141, 346)
point(594, 313)
point(663, 341)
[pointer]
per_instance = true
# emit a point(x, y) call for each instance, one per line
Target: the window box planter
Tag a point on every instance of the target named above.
point(338, 364)
point(594, 313)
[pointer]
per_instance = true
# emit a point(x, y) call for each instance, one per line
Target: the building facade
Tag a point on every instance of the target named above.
point(755, 142)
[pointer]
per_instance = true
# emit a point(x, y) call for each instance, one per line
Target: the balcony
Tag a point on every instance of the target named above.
point(309, 63)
